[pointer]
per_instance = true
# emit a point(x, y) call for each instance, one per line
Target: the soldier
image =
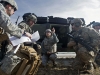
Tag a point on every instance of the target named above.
point(96, 26)
point(49, 47)
point(29, 19)
point(21, 63)
point(84, 58)
point(7, 8)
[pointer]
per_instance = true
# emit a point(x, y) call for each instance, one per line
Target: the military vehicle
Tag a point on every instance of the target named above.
point(61, 25)
point(65, 56)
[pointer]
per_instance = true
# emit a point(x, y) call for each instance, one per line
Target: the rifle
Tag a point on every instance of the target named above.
point(50, 53)
point(17, 20)
point(90, 24)
point(82, 42)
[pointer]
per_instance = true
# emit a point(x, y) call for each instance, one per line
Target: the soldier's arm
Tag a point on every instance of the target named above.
point(42, 48)
point(21, 25)
point(8, 26)
point(95, 37)
point(56, 40)
point(71, 44)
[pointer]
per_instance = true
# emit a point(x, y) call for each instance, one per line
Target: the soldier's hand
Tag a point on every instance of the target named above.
point(48, 52)
point(92, 53)
point(36, 46)
point(28, 34)
point(53, 30)
point(71, 43)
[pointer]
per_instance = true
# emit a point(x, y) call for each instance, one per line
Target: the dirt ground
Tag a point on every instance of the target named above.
point(62, 71)
point(63, 68)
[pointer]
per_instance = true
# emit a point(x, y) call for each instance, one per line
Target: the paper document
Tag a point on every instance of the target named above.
point(35, 36)
point(16, 41)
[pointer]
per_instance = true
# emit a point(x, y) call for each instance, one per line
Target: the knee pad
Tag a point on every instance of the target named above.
point(53, 57)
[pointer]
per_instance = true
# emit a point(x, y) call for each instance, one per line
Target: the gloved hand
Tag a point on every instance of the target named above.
point(48, 52)
point(92, 53)
point(71, 43)
point(53, 30)
point(1, 30)
point(36, 46)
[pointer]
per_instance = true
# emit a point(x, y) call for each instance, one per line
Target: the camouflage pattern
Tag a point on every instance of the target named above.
point(97, 59)
point(12, 61)
point(25, 26)
point(14, 30)
point(7, 25)
point(83, 56)
point(77, 21)
point(9, 29)
point(28, 49)
point(49, 44)
point(30, 16)
point(12, 2)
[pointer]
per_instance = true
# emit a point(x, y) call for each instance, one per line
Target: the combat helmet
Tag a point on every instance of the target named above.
point(96, 24)
point(77, 22)
point(30, 16)
point(48, 30)
point(11, 2)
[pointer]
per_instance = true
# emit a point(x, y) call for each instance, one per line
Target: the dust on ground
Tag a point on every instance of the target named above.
point(61, 69)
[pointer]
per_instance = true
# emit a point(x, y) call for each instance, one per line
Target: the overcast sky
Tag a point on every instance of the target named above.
point(87, 9)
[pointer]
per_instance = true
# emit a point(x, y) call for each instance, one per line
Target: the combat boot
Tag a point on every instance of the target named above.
point(54, 64)
point(90, 68)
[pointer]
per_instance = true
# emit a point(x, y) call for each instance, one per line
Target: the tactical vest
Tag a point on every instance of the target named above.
point(49, 45)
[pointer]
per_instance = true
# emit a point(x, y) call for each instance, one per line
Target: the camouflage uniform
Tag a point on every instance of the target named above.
point(92, 37)
point(85, 58)
point(7, 28)
point(33, 57)
point(24, 25)
point(15, 64)
point(7, 25)
point(97, 25)
point(49, 44)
